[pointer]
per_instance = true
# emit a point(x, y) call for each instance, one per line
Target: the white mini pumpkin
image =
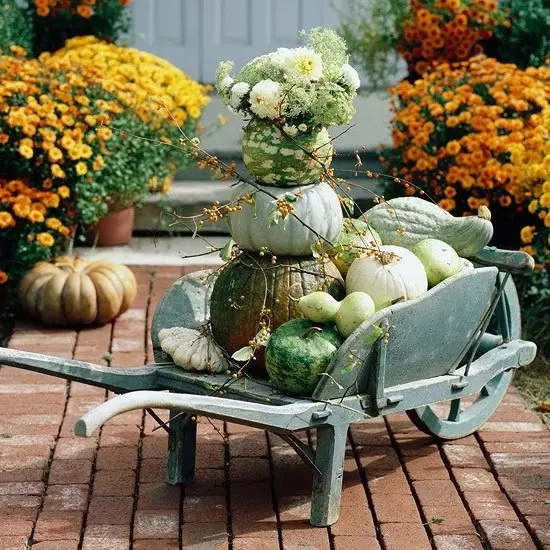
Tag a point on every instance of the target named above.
point(254, 227)
point(192, 350)
point(392, 273)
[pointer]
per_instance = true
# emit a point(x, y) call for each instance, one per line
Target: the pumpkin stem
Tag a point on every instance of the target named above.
point(311, 330)
point(484, 213)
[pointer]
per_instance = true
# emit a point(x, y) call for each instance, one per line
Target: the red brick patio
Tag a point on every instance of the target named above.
point(402, 491)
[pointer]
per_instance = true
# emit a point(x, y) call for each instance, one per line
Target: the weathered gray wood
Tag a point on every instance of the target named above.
point(513, 261)
point(428, 336)
point(245, 388)
point(185, 304)
point(284, 418)
point(463, 423)
point(466, 418)
point(327, 488)
point(420, 393)
point(182, 445)
point(117, 380)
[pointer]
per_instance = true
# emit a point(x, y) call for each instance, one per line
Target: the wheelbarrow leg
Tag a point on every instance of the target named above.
point(327, 488)
point(182, 443)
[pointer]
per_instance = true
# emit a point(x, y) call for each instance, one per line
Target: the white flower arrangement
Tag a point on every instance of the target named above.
point(300, 88)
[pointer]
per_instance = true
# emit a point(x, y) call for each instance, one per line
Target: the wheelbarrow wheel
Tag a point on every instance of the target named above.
point(461, 417)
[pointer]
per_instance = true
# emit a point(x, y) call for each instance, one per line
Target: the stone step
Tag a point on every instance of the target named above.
point(158, 251)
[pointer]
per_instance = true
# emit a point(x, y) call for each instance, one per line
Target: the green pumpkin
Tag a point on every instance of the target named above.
point(297, 353)
point(238, 296)
point(273, 158)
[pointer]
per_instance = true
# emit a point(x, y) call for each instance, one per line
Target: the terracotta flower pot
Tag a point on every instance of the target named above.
point(113, 229)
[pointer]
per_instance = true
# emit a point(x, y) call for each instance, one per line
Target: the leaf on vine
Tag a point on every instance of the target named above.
point(227, 251)
point(290, 197)
point(348, 368)
point(376, 333)
point(243, 354)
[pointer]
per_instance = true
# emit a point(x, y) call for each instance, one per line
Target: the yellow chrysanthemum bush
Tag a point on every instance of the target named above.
point(446, 30)
point(165, 99)
point(531, 187)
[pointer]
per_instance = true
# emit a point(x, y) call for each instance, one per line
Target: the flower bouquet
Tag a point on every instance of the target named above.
point(291, 96)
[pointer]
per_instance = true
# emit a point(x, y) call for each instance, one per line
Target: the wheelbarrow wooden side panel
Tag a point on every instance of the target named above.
point(427, 337)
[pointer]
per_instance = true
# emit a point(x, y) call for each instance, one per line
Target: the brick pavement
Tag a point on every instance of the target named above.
point(401, 491)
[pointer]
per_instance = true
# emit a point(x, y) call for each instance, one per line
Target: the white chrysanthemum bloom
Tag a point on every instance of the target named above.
point(265, 98)
point(226, 83)
point(290, 130)
point(303, 62)
point(350, 77)
point(238, 91)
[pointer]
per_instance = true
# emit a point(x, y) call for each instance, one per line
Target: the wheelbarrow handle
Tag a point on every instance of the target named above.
point(117, 380)
point(290, 417)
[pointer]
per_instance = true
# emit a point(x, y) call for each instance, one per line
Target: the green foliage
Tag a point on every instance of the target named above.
point(534, 292)
point(106, 19)
point(525, 41)
point(372, 30)
point(14, 28)
point(135, 144)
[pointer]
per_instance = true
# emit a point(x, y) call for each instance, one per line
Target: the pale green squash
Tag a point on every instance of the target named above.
point(406, 221)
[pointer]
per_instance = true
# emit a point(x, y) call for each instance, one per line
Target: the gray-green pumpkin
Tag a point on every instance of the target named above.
point(297, 354)
point(274, 158)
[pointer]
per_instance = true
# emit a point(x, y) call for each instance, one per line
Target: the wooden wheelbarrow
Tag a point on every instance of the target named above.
point(424, 357)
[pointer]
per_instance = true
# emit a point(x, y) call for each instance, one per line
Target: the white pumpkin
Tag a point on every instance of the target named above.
point(253, 227)
point(192, 350)
point(390, 274)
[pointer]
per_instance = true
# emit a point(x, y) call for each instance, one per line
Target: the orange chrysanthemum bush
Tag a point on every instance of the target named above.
point(33, 223)
point(445, 31)
point(454, 131)
point(55, 21)
point(55, 141)
point(459, 134)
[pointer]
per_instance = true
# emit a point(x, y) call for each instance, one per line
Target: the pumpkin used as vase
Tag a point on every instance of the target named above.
point(251, 284)
point(317, 214)
point(71, 291)
point(275, 158)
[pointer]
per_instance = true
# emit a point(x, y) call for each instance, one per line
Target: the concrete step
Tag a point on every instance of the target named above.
point(158, 251)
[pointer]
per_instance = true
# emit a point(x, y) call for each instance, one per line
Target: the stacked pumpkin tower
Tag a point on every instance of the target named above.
point(290, 97)
point(276, 228)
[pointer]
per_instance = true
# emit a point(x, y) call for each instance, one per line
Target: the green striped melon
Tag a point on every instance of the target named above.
point(273, 158)
point(297, 353)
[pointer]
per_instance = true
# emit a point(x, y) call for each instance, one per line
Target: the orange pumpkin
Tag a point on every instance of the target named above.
point(71, 291)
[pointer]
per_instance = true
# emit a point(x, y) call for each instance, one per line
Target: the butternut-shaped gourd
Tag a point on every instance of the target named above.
point(406, 221)
point(71, 291)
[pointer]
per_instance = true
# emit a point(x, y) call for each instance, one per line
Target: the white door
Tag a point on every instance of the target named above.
point(196, 35)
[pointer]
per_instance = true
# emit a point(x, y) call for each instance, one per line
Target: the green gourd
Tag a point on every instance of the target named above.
point(406, 221)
